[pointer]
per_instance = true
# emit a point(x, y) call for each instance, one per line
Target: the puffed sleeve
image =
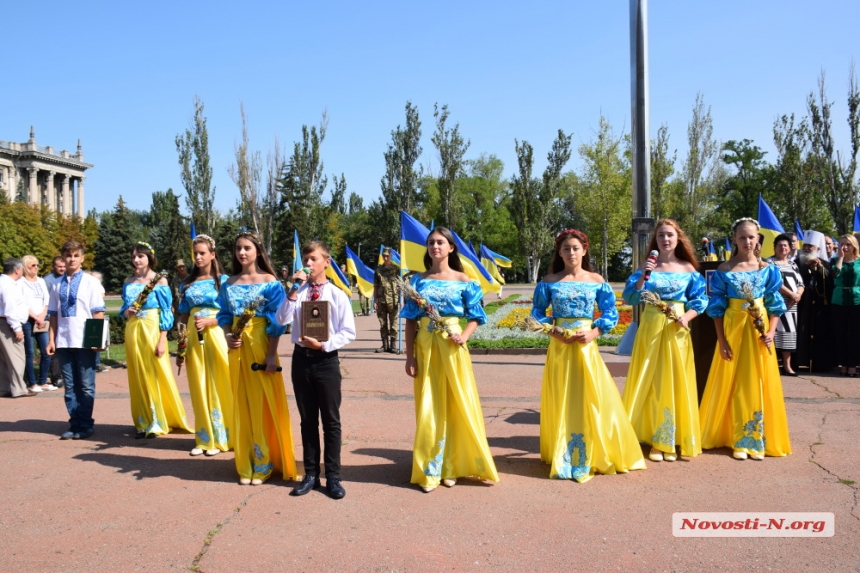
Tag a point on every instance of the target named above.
point(608, 313)
point(225, 315)
point(718, 299)
point(631, 294)
point(125, 299)
point(184, 305)
point(541, 300)
point(274, 295)
point(773, 301)
point(472, 297)
point(410, 309)
point(164, 299)
point(697, 293)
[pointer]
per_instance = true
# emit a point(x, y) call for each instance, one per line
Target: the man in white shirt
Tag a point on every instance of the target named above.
point(13, 313)
point(76, 297)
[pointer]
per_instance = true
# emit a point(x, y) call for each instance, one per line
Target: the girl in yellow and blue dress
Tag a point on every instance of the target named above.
point(206, 355)
point(156, 407)
point(660, 394)
point(262, 438)
point(743, 406)
point(583, 426)
point(450, 438)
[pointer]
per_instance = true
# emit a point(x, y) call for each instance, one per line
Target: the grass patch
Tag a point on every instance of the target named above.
point(532, 342)
point(847, 481)
point(117, 353)
point(492, 307)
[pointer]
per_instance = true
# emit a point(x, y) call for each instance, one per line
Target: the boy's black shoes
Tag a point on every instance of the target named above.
point(309, 482)
point(334, 488)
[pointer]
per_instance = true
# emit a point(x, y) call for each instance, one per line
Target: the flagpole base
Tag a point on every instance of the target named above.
point(625, 347)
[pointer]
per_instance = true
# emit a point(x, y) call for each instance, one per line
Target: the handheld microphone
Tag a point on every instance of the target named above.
point(255, 366)
point(297, 283)
point(652, 256)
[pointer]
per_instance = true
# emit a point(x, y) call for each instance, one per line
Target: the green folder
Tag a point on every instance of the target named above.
point(96, 331)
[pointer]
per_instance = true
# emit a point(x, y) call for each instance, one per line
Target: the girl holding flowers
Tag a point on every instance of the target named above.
point(208, 365)
point(743, 406)
point(660, 394)
point(156, 407)
point(248, 301)
point(450, 438)
point(583, 426)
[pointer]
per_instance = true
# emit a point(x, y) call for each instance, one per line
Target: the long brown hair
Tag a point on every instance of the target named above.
point(557, 264)
point(217, 267)
point(142, 248)
point(683, 250)
point(453, 256)
point(262, 258)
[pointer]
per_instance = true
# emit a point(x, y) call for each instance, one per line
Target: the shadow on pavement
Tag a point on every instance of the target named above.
point(531, 417)
point(397, 474)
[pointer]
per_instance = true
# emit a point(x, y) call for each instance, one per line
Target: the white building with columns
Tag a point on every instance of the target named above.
point(45, 176)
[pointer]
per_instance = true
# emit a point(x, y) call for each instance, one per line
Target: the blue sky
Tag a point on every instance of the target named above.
point(122, 77)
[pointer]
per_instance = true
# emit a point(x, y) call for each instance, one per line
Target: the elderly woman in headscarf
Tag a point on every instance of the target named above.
point(814, 336)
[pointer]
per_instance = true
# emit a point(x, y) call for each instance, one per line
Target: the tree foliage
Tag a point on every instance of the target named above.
point(452, 148)
point(113, 247)
point(195, 172)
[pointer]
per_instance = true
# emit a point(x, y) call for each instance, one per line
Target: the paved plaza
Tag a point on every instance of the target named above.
point(112, 503)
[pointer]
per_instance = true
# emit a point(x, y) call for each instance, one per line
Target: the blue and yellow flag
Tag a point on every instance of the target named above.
point(338, 279)
point(413, 243)
point(297, 253)
point(362, 273)
point(500, 260)
point(770, 227)
point(395, 256)
point(193, 236)
point(490, 264)
point(473, 267)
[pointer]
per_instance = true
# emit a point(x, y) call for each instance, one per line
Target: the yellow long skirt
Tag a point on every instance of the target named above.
point(584, 428)
point(156, 407)
point(262, 440)
point(743, 407)
point(660, 394)
point(450, 438)
point(209, 385)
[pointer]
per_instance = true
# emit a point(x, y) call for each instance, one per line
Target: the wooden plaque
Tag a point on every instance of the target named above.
point(315, 319)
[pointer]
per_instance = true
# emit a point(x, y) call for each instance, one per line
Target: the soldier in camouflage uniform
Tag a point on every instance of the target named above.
point(181, 275)
point(386, 293)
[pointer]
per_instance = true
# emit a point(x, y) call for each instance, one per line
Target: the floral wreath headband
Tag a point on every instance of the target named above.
point(572, 233)
point(206, 238)
point(246, 232)
point(745, 220)
point(147, 245)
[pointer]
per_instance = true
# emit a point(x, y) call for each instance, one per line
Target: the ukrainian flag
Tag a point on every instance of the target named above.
point(501, 261)
point(798, 230)
point(193, 236)
point(395, 256)
point(413, 243)
point(473, 267)
point(856, 220)
point(770, 227)
point(297, 252)
point(338, 279)
point(490, 264)
point(362, 273)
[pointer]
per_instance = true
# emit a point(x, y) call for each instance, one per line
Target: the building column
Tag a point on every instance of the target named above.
point(80, 203)
point(64, 195)
point(49, 191)
point(33, 188)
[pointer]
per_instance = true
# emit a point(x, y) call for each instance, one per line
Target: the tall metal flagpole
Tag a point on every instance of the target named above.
point(643, 224)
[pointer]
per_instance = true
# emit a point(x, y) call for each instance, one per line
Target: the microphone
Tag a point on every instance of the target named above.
point(652, 256)
point(297, 283)
point(255, 367)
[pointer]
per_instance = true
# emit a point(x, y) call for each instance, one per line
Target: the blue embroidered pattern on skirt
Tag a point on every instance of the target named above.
point(203, 434)
point(221, 433)
point(665, 434)
point(69, 294)
point(573, 299)
point(154, 426)
point(753, 439)
point(581, 469)
point(264, 469)
point(434, 466)
point(258, 453)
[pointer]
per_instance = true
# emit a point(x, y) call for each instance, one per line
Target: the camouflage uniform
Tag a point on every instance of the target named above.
point(387, 295)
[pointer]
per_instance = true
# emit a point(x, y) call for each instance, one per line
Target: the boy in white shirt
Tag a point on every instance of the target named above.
point(75, 297)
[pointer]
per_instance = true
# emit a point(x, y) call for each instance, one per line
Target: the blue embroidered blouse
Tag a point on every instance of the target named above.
point(688, 288)
point(160, 298)
point(766, 283)
point(451, 298)
point(201, 293)
point(232, 300)
point(575, 299)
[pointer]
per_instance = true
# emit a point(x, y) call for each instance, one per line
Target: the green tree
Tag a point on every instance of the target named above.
point(400, 182)
point(451, 147)
point(170, 234)
point(663, 200)
point(699, 192)
point(247, 174)
point(22, 233)
point(113, 247)
point(753, 177)
point(195, 172)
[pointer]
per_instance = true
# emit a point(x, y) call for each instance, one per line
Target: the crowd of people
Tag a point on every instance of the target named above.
point(805, 305)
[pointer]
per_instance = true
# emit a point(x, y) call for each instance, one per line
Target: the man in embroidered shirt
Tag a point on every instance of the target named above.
point(13, 313)
point(74, 299)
